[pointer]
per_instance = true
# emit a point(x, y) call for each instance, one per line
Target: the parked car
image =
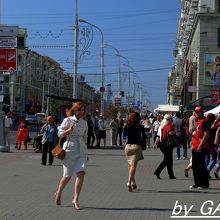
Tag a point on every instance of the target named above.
point(33, 119)
point(43, 117)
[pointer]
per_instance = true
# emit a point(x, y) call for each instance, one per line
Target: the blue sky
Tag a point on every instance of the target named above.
point(143, 31)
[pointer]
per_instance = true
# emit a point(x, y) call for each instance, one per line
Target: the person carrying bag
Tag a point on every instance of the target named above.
point(75, 129)
point(163, 141)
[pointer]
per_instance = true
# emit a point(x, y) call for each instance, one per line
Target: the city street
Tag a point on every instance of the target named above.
point(160, 59)
point(27, 188)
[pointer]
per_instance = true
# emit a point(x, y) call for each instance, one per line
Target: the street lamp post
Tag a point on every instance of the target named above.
point(129, 80)
point(42, 106)
point(48, 99)
point(76, 52)
point(102, 63)
point(119, 67)
point(129, 76)
point(48, 92)
point(139, 85)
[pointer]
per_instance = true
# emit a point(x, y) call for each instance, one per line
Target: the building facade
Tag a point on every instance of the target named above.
point(195, 79)
point(26, 87)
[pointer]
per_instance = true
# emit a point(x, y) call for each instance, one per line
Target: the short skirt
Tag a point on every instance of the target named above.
point(133, 153)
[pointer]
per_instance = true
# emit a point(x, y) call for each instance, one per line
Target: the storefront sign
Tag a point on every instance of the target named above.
point(8, 42)
point(8, 60)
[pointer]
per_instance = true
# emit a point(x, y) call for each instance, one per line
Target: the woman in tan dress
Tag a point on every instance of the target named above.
point(135, 132)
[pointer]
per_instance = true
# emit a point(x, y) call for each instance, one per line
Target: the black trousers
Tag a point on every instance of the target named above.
point(120, 137)
point(90, 139)
point(200, 173)
point(47, 147)
point(167, 159)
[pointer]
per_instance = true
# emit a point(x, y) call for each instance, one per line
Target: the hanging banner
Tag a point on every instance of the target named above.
point(212, 69)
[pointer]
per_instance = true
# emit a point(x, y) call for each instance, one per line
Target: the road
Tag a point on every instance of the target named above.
point(27, 189)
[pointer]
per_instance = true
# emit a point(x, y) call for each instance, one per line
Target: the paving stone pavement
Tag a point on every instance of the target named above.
point(27, 189)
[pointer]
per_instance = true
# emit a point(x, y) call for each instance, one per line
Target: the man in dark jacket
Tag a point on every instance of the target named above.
point(49, 140)
point(180, 137)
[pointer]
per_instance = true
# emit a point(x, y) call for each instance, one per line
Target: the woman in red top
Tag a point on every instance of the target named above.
point(166, 129)
point(199, 149)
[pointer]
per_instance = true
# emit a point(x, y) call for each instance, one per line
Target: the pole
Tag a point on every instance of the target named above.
point(129, 81)
point(43, 91)
point(119, 76)
point(0, 11)
point(3, 146)
point(76, 52)
point(102, 94)
point(43, 87)
point(129, 89)
point(48, 93)
point(26, 66)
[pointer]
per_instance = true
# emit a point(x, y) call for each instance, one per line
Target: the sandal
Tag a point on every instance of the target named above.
point(76, 205)
point(134, 186)
point(129, 187)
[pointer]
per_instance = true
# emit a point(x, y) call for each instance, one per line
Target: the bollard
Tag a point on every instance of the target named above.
point(3, 147)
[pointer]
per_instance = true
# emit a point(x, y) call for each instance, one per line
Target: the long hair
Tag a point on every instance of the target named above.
point(210, 118)
point(133, 119)
point(76, 106)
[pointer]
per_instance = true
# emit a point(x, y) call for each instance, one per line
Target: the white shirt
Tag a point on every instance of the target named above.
point(77, 138)
point(156, 125)
point(8, 122)
point(102, 124)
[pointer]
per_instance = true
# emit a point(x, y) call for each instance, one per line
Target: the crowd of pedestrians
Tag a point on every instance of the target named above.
point(197, 132)
point(194, 135)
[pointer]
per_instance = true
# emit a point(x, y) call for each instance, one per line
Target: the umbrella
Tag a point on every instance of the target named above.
point(214, 111)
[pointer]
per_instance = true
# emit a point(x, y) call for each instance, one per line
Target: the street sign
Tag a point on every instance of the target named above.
point(8, 42)
point(8, 60)
point(102, 89)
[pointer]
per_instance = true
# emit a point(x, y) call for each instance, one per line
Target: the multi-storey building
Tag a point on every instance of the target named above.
point(196, 75)
point(36, 76)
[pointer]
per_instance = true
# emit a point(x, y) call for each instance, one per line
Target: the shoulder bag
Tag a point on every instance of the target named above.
point(58, 151)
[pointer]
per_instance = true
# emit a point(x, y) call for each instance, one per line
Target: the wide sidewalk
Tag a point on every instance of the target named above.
point(27, 189)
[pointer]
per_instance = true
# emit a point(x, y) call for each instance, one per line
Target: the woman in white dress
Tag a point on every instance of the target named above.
point(74, 128)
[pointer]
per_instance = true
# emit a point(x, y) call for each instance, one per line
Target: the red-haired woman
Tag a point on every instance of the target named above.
point(74, 128)
point(134, 131)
